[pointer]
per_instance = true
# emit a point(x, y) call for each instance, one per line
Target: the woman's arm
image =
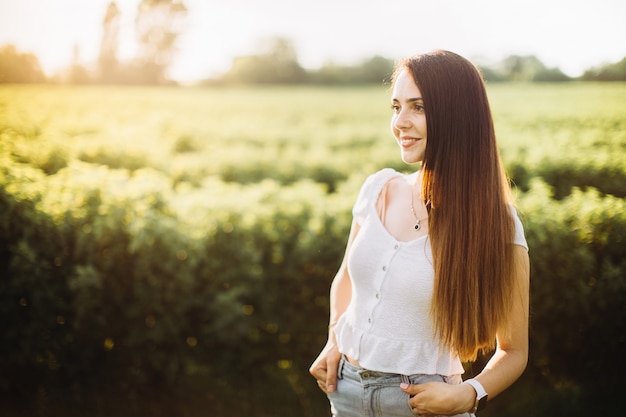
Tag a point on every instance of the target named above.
point(324, 368)
point(505, 366)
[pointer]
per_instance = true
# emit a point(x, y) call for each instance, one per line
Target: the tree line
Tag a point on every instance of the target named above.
point(159, 24)
point(274, 66)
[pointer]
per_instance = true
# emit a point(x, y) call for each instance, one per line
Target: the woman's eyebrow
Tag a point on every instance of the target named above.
point(410, 100)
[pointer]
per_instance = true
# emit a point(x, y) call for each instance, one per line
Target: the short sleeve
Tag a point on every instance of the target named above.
point(369, 193)
point(520, 238)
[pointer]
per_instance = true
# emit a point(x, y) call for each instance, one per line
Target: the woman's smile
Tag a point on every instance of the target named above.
point(408, 141)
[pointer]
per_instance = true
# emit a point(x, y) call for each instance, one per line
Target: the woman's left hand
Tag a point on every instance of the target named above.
point(439, 398)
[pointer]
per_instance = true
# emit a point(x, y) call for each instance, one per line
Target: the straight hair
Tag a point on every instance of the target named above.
point(468, 199)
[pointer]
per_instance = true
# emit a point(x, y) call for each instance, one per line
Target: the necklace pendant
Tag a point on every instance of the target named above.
point(417, 225)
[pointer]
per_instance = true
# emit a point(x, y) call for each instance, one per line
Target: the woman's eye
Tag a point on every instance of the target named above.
point(395, 108)
point(419, 108)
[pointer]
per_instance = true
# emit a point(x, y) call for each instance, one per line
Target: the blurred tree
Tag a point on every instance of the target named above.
point(158, 25)
point(521, 68)
point(17, 67)
point(608, 72)
point(491, 74)
point(550, 75)
point(374, 70)
point(276, 64)
point(330, 73)
point(282, 49)
point(76, 72)
point(108, 47)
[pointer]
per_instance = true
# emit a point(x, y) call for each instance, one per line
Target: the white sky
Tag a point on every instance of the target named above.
point(573, 35)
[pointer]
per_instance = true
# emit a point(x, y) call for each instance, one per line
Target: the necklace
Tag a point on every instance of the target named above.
point(417, 219)
point(417, 226)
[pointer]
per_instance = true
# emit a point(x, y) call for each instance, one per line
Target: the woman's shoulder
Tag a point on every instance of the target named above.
point(370, 189)
point(520, 237)
point(376, 181)
point(382, 176)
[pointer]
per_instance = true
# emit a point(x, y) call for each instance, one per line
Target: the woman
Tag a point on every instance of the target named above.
point(436, 267)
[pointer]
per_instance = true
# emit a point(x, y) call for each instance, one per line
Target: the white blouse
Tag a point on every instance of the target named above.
point(387, 326)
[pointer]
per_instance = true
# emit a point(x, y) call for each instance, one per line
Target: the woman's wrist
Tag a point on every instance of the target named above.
point(469, 397)
point(331, 332)
point(480, 397)
point(331, 326)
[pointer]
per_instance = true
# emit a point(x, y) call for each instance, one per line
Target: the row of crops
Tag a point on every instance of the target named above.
point(170, 250)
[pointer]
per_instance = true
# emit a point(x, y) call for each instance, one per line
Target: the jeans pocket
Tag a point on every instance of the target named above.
point(418, 379)
point(391, 401)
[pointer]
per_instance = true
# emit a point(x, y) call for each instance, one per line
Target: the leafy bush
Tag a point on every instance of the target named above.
point(563, 175)
point(178, 267)
point(125, 291)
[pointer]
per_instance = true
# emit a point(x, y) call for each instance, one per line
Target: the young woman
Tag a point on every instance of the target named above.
point(436, 267)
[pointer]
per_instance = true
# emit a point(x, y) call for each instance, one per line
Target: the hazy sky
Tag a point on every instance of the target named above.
point(570, 34)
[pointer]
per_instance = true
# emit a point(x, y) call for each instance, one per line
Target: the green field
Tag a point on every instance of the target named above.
point(181, 241)
point(288, 134)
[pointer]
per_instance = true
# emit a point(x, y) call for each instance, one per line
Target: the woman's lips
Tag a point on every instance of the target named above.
point(406, 141)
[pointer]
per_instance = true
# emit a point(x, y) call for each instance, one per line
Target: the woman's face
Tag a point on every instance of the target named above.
point(408, 123)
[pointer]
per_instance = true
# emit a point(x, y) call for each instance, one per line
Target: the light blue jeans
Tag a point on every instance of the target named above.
point(364, 393)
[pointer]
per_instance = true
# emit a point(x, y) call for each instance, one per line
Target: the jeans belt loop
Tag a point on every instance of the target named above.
point(341, 364)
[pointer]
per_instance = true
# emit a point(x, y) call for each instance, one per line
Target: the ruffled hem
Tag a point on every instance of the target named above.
point(405, 357)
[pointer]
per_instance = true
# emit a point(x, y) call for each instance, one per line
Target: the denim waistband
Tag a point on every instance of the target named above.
point(350, 371)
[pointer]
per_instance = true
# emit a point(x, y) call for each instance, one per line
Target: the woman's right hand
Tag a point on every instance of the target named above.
point(325, 367)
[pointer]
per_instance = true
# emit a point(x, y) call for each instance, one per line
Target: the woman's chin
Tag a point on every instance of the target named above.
point(410, 159)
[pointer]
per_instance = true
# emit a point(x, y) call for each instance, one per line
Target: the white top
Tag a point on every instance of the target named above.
point(387, 326)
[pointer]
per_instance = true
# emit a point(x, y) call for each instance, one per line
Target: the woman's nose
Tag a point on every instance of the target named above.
point(401, 121)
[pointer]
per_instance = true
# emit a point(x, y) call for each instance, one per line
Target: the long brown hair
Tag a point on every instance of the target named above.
point(468, 197)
